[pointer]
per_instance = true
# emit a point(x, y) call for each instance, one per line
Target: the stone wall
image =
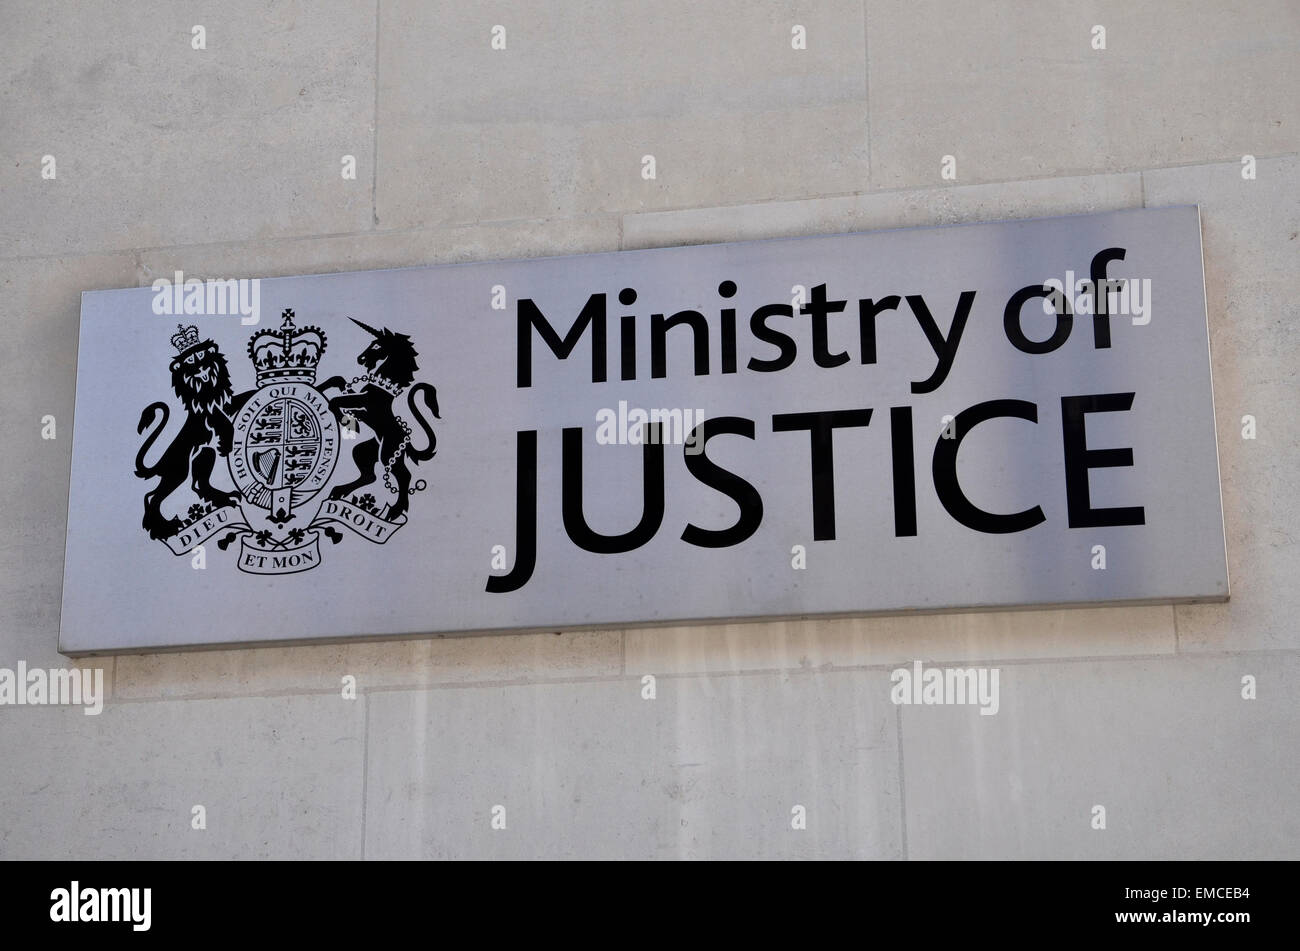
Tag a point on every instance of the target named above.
point(225, 161)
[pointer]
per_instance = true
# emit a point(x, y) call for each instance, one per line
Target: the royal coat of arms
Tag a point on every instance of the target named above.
point(282, 442)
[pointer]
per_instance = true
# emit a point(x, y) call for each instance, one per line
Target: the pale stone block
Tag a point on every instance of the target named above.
point(796, 153)
point(556, 123)
point(878, 641)
point(871, 212)
point(383, 249)
point(1017, 90)
point(711, 768)
point(515, 658)
point(480, 172)
point(1185, 767)
point(158, 143)
point(278, 778)
point(594, 62)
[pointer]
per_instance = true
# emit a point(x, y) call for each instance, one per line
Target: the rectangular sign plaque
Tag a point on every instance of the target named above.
point(1014, 414)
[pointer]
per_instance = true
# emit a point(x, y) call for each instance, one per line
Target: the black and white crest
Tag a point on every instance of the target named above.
point(281, 442)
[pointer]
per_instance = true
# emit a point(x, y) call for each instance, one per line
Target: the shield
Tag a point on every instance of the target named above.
point(284, 449)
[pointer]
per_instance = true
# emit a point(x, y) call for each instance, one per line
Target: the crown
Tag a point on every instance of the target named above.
point(185, 337)
point(289, 355)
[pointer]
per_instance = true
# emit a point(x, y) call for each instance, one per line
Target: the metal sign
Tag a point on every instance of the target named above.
point(1008, 414)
